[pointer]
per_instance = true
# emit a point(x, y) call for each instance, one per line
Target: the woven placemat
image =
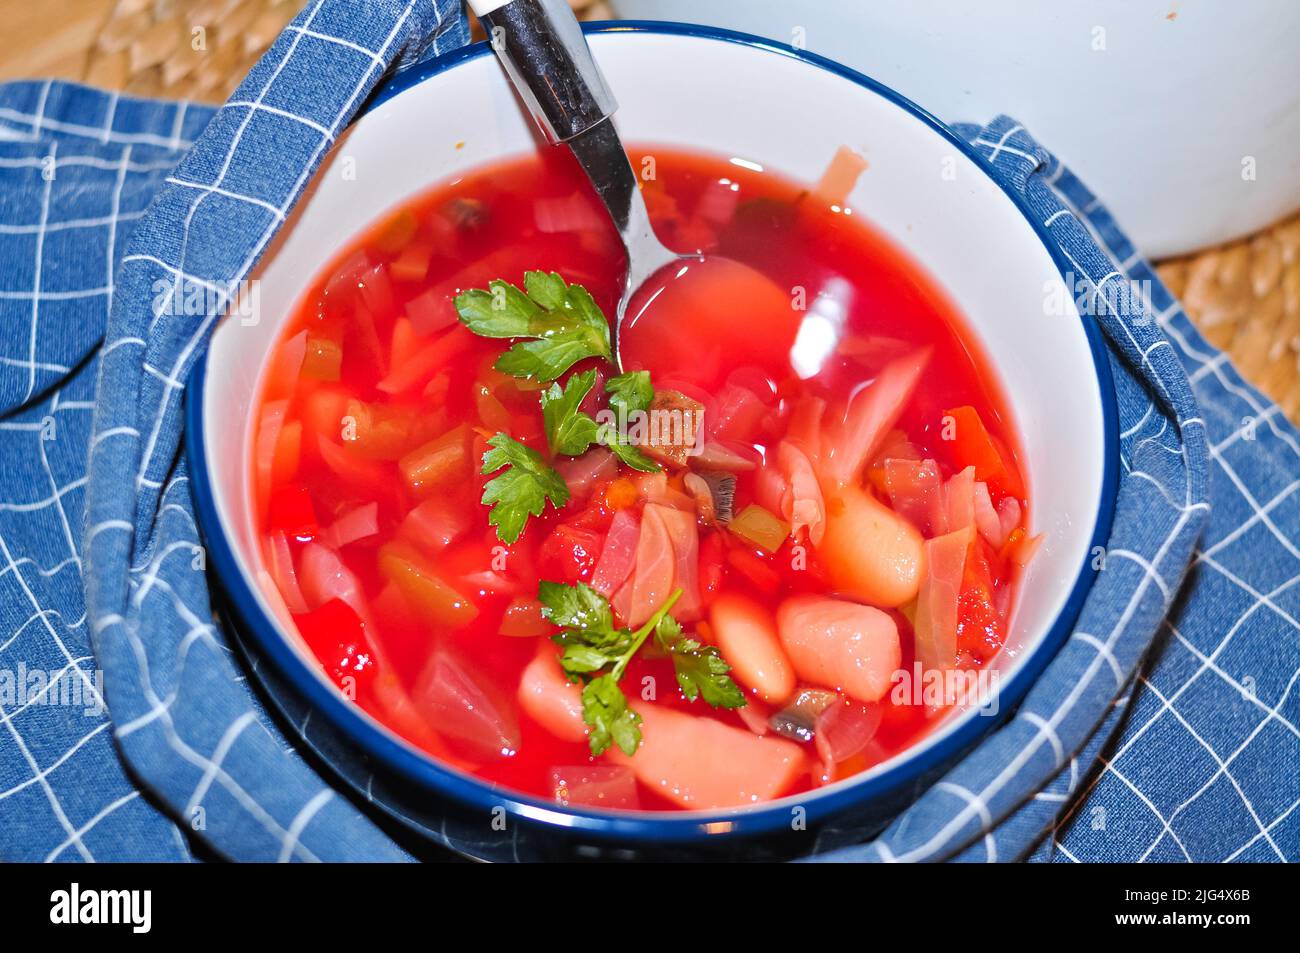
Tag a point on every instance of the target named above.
point(1244, 295)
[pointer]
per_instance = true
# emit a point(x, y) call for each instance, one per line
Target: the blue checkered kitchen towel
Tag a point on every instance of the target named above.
point(1164, 730)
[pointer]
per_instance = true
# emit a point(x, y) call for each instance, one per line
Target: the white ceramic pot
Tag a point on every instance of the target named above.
point(1182, 115)
point(977, 242)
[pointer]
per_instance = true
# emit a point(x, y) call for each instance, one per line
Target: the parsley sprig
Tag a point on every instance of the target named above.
point(560, 322)
point(522, 490)
point(597, 654)
point(571, 432)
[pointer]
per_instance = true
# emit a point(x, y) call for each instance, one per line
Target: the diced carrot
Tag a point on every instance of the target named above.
point(323, 412)
point(285, 365)
point(394, 233)
point(288, 450)
point(549, 698)
point(429, 595)
point(621, 493)
point(840, 644)
point(324, 358)
point(403, 343)
point(703, 764)
point(746, 634)
point(413, 262)
point(974, 446)
point(437, 463)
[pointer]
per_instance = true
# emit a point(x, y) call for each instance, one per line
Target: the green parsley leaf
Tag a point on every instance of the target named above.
point(598, 654)
point(630, 393)
point(563, 320)
point(629, 453)
point(568, 429)
point(701, 671)
point(575, 607)
point(604, 709)
point(522, 490)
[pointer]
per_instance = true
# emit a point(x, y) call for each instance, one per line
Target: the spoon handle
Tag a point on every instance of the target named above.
point(541, 46)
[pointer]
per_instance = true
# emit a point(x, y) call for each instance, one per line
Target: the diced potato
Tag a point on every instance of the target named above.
point(703, 764)
point(870, 552)
point(746, 635)
point(839, 644)
point(550, 699)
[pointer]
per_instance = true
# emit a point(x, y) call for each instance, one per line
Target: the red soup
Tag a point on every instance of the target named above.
point(746, 567)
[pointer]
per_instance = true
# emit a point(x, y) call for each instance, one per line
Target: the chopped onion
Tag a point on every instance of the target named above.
point(595, 785)
point(843, 730)
point(360, 522)
point(798, 720)
point(280, 564)
point(464, 710)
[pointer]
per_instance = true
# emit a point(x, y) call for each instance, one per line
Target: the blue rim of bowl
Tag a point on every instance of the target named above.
point(657, 826)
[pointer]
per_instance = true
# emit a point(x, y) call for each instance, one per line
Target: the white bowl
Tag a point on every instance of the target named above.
point(1166, 108)
point(741, 97)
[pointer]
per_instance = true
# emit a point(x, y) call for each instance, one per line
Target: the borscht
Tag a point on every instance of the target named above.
point(720, 574)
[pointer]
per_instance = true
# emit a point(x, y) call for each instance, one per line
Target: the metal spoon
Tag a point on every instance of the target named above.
point(541, 46)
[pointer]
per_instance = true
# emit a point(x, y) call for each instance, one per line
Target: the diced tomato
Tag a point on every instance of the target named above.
point(974, 446)
point(523, 619)
point(292, 511)
point(570, 554)
point(753, 568)
point(336, 636)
